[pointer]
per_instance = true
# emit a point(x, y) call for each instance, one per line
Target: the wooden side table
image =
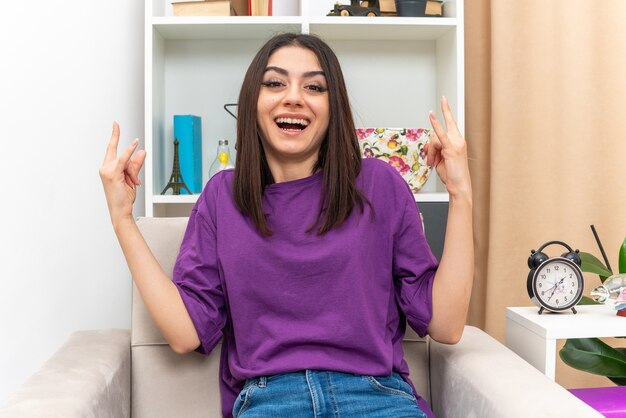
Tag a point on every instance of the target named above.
point(533, 336)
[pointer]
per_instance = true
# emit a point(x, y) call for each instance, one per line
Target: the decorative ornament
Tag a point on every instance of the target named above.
point(176, 179)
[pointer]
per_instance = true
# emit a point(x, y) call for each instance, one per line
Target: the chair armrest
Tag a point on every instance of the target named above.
point(480, 377)
point(89, 376)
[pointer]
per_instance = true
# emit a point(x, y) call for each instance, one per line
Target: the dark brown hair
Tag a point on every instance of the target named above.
point(339, 156)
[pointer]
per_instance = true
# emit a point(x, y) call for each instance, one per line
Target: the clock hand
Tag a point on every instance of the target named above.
point(553, 290)
point(556, 286)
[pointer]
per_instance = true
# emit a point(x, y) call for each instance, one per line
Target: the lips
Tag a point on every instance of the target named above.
point(292, 124)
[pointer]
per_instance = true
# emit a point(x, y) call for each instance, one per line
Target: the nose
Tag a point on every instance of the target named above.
point(293, 95)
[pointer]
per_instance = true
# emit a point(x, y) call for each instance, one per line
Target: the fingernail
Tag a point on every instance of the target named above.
point(135, 141)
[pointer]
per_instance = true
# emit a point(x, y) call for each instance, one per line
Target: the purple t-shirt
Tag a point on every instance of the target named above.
point(297, 300)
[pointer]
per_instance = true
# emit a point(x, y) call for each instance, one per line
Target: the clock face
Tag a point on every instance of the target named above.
point(558, 284)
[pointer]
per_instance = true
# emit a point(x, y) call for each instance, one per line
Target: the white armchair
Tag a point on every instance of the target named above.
point(121, 373)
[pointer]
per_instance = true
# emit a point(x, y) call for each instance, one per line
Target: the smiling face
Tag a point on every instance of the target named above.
point(292, 111)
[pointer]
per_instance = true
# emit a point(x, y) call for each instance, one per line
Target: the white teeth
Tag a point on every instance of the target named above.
point(302, 122)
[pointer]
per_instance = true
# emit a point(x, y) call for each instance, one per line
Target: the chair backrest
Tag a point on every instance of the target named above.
point(166, 384)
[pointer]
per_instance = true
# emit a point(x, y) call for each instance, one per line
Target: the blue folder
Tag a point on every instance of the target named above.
point(188, 131)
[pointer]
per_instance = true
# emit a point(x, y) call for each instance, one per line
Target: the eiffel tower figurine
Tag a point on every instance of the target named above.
point(176, 179)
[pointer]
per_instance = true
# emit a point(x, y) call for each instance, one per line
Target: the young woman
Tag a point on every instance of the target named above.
point(305, 260)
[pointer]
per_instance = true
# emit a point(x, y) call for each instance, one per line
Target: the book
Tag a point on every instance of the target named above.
point(203, 8)
point(434, 8)
point(260, 7)
point(188, 131)
point(387, 6)
point(287, 8)
point(240, 7)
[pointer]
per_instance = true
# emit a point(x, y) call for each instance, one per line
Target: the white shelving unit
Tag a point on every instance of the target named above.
point(396, 68)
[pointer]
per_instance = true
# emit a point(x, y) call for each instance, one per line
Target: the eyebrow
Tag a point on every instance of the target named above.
point(306, 74)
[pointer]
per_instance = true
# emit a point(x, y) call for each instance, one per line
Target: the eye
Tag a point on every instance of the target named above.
point(272, 83)
point(316, 88)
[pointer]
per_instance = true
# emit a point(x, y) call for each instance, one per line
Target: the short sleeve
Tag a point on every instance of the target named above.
point(196, 274)
point(414, 267)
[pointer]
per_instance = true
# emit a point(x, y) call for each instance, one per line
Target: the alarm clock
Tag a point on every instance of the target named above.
point(555, 284)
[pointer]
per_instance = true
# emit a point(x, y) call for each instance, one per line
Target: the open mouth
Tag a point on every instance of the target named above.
point(289, 124)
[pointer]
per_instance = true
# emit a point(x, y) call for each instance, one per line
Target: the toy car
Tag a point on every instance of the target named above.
point(357, 8)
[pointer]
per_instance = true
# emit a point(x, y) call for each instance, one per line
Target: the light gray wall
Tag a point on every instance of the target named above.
point(67, 71)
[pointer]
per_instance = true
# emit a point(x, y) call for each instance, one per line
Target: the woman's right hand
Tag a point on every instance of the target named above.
point(119, 177)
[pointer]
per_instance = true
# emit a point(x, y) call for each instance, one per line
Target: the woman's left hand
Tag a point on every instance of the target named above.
point(447, 152)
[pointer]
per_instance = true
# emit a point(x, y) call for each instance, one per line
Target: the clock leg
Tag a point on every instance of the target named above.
point(541, 310)
point(574, 310)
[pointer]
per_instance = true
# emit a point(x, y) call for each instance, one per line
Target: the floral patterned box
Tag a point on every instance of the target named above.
point(405, 149)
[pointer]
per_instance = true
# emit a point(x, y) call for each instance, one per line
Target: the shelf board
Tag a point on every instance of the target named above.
point(381, 28)
point(182, 198)
point(225, 27)
point(186, 199)
point(328, 27)
point(432, 197)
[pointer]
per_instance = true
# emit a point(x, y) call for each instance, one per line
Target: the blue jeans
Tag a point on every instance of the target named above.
point(322, 394)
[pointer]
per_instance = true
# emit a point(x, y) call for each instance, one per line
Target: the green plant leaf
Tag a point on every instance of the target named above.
point(622, 257)
point(586, 300)
point(591, 264)
point(594, 356)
